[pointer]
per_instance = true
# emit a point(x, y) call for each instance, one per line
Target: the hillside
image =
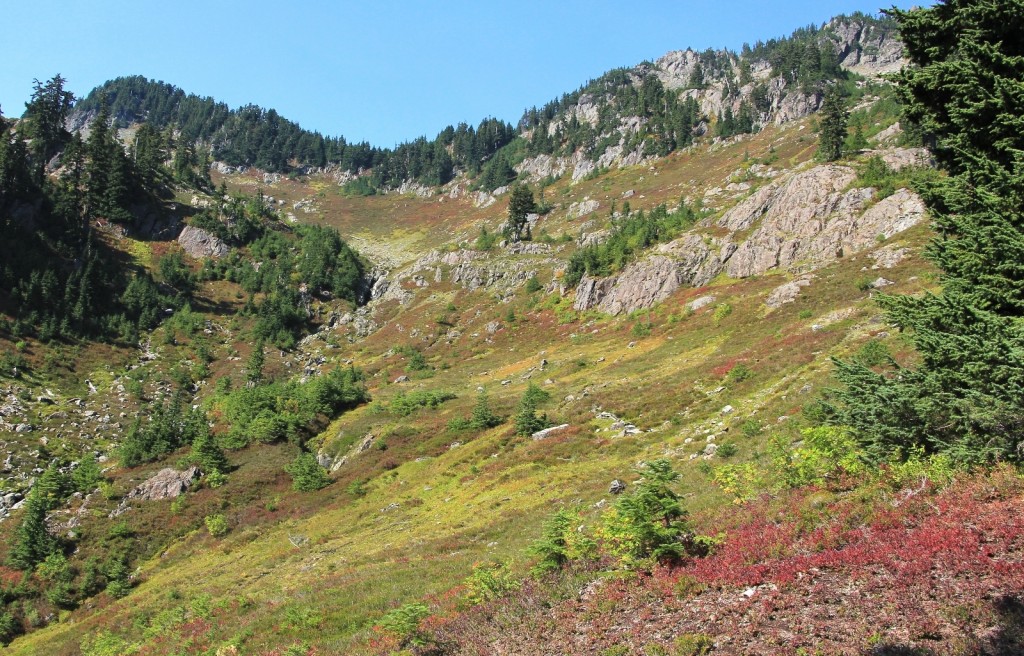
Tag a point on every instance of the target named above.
point(316, 398)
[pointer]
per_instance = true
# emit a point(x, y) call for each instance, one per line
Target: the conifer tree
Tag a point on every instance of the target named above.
point(206, 453)
point(832, 132)
point(46, 113)
point(32, 541)
point(254, 367)
point(520, 204)
point(966, 397)
point(527, 420)
point(307, 474)
point(482, 416)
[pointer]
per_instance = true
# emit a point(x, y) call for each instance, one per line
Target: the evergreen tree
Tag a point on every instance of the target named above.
point(254, 366)
point(649, 522)
point(482, 417)
point(832, 131)
point(46, 112)
point(966, 397)
point(32, 541)
point(108, 172)
point(520, 204)
point(307, 474)
point(15, 176)
point(206, 453)
point(87, 475)
point(527, 421)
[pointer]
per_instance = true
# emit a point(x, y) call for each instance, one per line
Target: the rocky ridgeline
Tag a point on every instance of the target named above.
point(799, 222)
point(861, 47)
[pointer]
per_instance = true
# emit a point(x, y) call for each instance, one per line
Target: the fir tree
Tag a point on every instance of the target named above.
point(207, 454)
point(520, 204)
point(32, 541)
point(482, 416)
point(46, 113)
point(832, 131)
point(966, 397)
point(527, 420)
point(254, 367)
point(87, 475)
point(307, 474)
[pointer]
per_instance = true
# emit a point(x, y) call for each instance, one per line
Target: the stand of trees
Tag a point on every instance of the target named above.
point(56, 278)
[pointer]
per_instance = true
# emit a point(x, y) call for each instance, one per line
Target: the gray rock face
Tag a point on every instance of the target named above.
point(797, 222)
point(888, 257)
point(808, 221)
point(699, 303)
point(786, 293)
point(806, 196)
point(200, 243)
point(541, 434)
point(866, 49)
point(583, 208)
point(901, 158)
point(690, 260)
point(165, 484)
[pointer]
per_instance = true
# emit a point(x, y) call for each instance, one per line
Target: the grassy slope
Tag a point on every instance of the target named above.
point(484, 499)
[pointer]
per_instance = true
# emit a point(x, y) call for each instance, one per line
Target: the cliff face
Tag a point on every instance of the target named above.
point(798, 222)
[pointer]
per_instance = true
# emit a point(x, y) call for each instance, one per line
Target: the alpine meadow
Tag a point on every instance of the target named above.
point(720, 353)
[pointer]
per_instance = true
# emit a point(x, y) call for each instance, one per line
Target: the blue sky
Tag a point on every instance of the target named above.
point(382, 71)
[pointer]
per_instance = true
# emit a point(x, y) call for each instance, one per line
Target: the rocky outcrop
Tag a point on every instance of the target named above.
point(866, 47)
point(786, 293)
point(691, 260)
point(810, 195)
point(200, 243)
point(582, 208)
point(165, 484)
point(888, 257)
point(797, 223)
point(806, 217)
point(901, 158)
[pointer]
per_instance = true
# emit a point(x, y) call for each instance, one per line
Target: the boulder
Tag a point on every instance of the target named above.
point(200, 243)
point(698, 303)
point(786, 293)
point(165, 484)
point(547, 432)
point(880, 282)
point(616, 487)
point(583, 208)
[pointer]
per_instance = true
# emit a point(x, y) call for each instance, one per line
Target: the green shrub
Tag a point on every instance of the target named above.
point(751, 427)
point(217, 525)
point(489, 581)
point(721, 312)
point(641, 329)
point(106, 643)
point(873, 354)
point(738, 374)
point(485, 241)
point(693, 644)
point(726, 450)
point(404, 404)
point(404, 624)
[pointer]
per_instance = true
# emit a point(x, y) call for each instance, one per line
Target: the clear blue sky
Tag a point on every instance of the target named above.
point(383, 71)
